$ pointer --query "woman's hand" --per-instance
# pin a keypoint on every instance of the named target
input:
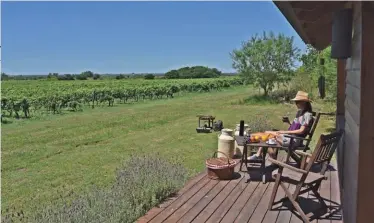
(271, 132)
(279, 132)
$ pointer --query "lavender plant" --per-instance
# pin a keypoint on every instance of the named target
(140, 184)
(259, 123)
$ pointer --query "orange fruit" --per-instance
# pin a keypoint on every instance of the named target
(257, 138)
(264, 138)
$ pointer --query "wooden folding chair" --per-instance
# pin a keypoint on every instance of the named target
(302, 177)
(291, 148)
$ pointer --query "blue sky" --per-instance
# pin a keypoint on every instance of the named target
(127, 37)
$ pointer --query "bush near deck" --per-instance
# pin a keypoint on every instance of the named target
(140, 184)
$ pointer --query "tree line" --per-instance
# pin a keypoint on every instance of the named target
(182, 73)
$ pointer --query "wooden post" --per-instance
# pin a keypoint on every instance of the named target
(365, 179)
(340, 109)
(340, 118)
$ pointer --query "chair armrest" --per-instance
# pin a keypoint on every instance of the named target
(328, 113)
(295, 137)
(303, 153)
(281, 164)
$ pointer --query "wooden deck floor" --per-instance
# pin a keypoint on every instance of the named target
(239, 200)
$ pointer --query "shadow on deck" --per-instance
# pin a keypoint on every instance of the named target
(242, 200)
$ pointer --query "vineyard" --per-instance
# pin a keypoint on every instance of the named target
(18, 98)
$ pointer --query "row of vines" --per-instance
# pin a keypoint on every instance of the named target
(18, 101)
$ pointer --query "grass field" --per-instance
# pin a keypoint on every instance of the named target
(43, 158)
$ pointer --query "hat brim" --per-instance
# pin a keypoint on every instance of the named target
(301, 99)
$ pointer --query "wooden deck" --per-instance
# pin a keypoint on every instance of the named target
(240, 200)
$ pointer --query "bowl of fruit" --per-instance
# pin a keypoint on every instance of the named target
(254, 138)
(260, 137)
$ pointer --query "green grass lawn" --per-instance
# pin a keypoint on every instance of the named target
(43, 158)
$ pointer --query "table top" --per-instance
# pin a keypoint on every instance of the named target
(241, 140)
(264, 144)
(206, 117)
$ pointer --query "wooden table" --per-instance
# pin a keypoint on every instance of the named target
(264, 146)
(208, 118)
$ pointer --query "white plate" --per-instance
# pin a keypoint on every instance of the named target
(267, 142)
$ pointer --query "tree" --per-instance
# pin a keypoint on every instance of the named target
(193, 72)
(266, 60)
(4, 76)
(310, 59)
(65, 77)
(311, 65)
(173, 74)
(87, 73)
(149, 76)
(121, 76)
(96, 76)
(81, 76)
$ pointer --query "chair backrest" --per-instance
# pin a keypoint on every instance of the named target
(325, 149)
(314, 123)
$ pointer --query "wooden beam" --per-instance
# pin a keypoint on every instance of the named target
(340, 110)
(323, 11)
(365, 180)
(305, 5)
(319, 35)
(286, 9)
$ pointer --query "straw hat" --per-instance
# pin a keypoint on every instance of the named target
(301, 96)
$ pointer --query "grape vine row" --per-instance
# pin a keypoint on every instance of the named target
(53, 97)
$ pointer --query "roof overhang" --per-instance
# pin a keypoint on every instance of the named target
(312, 20)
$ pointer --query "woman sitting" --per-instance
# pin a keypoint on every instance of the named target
(299, 127)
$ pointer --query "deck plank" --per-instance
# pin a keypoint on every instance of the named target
(240, 202)
(295, 218)
(204, 215)
(191, 202)
(325, 191)
(249, 208)
(285, 215)
(335, 196)
(193, 212)
(225, 206)
(272, 215)
(156, 210)
(261, 209)
(180, 201)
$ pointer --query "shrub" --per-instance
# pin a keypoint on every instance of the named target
(283, 95)
(96, 76)
(121, 76)
(140, 184)
(259, 123)
(149, 76)
(300, 82)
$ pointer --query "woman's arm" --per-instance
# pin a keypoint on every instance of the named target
(297, 132)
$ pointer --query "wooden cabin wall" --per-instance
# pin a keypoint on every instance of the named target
(352, 120)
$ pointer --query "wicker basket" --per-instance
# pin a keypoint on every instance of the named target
(220, 168)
